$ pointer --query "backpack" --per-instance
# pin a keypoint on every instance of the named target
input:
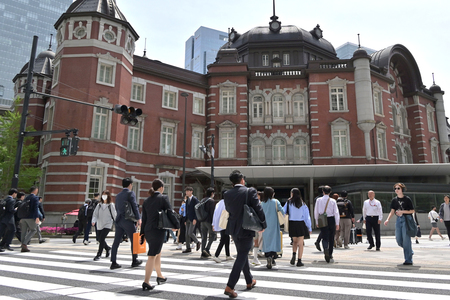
(2, 207)
(343, 208)
(23, 210)
(200, 210)
(81, 212)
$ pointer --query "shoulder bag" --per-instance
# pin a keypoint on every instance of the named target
(323, 218)
(280, 215)
(129, 213)
(167, 219)
(411, 226)
(250, 220)
(223, 221)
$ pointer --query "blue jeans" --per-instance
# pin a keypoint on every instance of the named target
(403, 240)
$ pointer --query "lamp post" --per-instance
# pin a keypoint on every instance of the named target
(185, 95)
(210, 153)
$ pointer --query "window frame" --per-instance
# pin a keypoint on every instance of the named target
(286, 59)
(175, 100)
(259, 105)
(378, 101)
(300, 101)
(299, 148)
(278, 148)
(265, 59)
(106, 63)
(137, 137)
(195, 145)
(430, 118)
(338, 83)
(258, 160)
(276, 107)
(381, 141)
(102, 132)
(230, 148)
(102, 177)
(195, 105)
(133, 93)
(230, 100)
(341, 125)
(56, 73)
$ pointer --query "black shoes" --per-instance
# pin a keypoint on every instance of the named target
(160, 280)
(146, 286)
(370, 247)
(74, 239)
(299, 263)
(327, 255)
(187, 251)
(97, 258)
(107, 252)
(136, 263)
(378, 249)
(199, 244)
(8, 248)
(407, 263)
(293, 259)
(42, 241)
(318, 246)
(115, 265)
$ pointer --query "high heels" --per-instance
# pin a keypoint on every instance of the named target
(160, 280)
(146, 286)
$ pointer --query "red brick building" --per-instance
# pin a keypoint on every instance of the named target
(277, 99)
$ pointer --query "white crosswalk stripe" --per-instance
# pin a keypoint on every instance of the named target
(73, 274)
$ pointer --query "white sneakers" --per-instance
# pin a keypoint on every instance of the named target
(430, 239)
(216, 259)
(346, 247)
(230, 258)
(179, 247)
(86, 242)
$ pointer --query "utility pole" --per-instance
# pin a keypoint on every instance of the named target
(23, 122)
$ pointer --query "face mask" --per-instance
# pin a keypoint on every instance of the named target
(104, 197)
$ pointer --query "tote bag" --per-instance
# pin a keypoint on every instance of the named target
(280, 215)
(250, 220)
(223, 221)
(138, 248)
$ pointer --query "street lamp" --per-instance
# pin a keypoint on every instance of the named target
(185, 95)
(210, 154)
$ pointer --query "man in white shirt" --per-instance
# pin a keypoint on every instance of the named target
(329, 205)
(373, 215)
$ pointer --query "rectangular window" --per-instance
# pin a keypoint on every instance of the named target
(106, 74)
(381, 140)
(199, 106)
(378, 102)
(286, 59)
(340, 143)
(278, 107)
(258, 152)
(134, 137)
(227, 101)
(299, 109)
(55, 75)
(227, 145)
(337, 99)
(170, 100)
(167, 135)
(95, 181)
(434, 154)
(137, 93)
(100, 122)
(168, 187)
(197, 141)
(265, 60)
(257, 107)
(430, 115)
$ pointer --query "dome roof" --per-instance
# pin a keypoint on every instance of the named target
(360, 52)
(43, 64)
(435, 88)
(105, 7)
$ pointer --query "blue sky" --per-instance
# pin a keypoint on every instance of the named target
(420, 26)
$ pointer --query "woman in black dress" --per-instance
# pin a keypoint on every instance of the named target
(154, 236)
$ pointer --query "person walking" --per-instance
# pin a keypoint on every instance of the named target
(235, 199)
(182, 231)
(224, 237)
(153, 235)
(7, 224)
(271, 236)
(41, 219)
(299, 223)
(103, 219)
(319, 236)
(123, 225)
(403, 208)
(434, 218)
(444, 213)
(191, 220)
(28, 224)
(346, 218)
(82, 221)
(206, 225)
(372, 216)
(327, 205)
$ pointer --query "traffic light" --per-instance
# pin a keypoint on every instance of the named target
(74, 145)
(129, 114)
(64, 150)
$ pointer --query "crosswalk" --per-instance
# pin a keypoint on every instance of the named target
(71, 273)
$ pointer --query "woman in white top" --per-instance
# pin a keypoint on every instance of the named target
(104, 215)
(434, 218)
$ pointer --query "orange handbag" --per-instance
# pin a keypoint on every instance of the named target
(137, 247)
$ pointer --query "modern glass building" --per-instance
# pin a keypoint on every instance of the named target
(346, 50)
(20, 20)
(201, 48)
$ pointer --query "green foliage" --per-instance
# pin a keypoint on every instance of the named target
(9, 134)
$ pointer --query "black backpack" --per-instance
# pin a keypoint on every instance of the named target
(2, 207)
(23, 210)
(200, 210)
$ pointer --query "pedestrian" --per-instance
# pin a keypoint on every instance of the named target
(337, 234)
(206, 225)
(319, 237)
(434, 218)
(299, 223)
(88, 221)
(372, 216)
(20, 197)
(224, 237)
(82, 221)
(7, 224)
(271, 236)
(124, 225)
(154, 235)
(346, 218)
(28, 224)
(103, 219)
(403, 208)
(327, 205)
(235, 199)
(182, 231)
(41, 219)
(257, 245)
(444, 213)
(191, 220)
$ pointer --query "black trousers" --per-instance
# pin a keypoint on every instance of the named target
(372, 223)
(224, 241)
(123, 226)
(328, 233)
(101, 235)
(447, 225)
(243, 246)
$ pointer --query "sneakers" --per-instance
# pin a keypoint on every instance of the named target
(216, 259)
(269, 263)
(230, 258)
(430, 239)
(256, 261)
(443, 237)
(178, 247)
(346, 247)
(86, 242)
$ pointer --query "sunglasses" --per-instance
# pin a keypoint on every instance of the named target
(397, 188)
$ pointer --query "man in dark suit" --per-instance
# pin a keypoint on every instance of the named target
(234, 203)
(28, 224)
(123, 225)
(191, 219)
(7, 223)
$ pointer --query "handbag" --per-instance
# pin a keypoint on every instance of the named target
(411, 226)
(279, 214)
(250, 220)
(138, 248)
(419, 233)
(129, 213)
(306, 231)
(323, 218)
(167, 220)
(223, 220)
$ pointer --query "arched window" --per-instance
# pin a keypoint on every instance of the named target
(278, 106)
(300, 150)
(279, 150)
(258, 151)
(258, 108)
(399, 154)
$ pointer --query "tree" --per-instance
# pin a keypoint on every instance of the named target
(9, 134)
